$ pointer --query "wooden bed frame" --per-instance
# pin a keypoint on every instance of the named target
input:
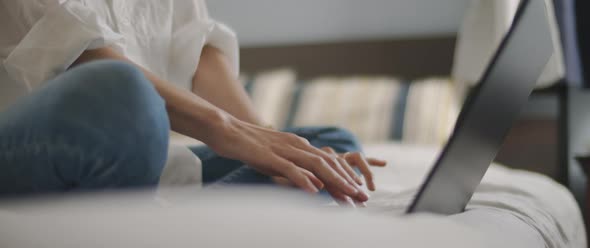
(405, 58)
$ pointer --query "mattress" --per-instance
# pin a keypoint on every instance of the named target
(509, 204)
(510, 209)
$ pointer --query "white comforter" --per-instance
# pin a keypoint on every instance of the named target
(510, 209)
(509, 204)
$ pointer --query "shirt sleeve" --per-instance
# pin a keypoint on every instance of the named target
(224, 38)
(56, 40)
(221, 36)
(193, 29)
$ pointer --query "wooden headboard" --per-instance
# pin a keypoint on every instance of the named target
(405, 58)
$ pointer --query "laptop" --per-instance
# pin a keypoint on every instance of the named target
(489, 112)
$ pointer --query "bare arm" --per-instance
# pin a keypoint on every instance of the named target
(215, 82)
(271, 152)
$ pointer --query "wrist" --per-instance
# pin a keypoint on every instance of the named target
(216, 119)
(215, 125)
(195, 118)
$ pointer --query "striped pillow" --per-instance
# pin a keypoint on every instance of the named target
(272, 95)
(365, 106)
(376, 109)
(432, 108)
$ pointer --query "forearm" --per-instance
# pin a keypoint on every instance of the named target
(189, 114)
(215, 82)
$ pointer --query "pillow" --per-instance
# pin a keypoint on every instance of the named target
(375, 109)
(432, 109)
(272, 95)
(365, 106)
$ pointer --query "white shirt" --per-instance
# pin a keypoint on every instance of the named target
(40, 39)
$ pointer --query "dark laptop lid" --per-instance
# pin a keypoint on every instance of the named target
(489, 112)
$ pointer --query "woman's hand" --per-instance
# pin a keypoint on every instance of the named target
(357, 159)
(351, 159)
(286, 155)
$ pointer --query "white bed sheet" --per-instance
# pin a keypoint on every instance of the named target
(509, 204)
(510, 209)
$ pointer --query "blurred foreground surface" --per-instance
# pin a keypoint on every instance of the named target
(216, 218)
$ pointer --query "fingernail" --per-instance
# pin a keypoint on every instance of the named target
(313, 190)
(351, 189)
(321, 186)
(364, 196)
(350, 202)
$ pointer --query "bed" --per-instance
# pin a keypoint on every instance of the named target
(527, 208)
(510, 209)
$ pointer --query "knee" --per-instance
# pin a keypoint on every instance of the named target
(114, 82)
(112, 95)
(136, 114)
(109, 89)
(114, 106)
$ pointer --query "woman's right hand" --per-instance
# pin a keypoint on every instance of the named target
(287, 155)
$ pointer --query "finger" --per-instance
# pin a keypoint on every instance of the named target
(332, 161)
(360, 204)
(345, 165)
(358, 159)
(316, 181)
(320, 168)
(342, 199)
(377, 162)
(350, 171)
(283, 181)
(372, 161)
(339, 167)
(294, 174)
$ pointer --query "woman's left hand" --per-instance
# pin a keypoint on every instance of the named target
(350, 160)
(357, 159)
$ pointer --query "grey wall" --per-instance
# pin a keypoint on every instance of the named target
(280, 22)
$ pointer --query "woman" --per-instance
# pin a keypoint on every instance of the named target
(70, 122)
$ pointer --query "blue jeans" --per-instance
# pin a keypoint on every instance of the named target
(98, 126)
(102, 126)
